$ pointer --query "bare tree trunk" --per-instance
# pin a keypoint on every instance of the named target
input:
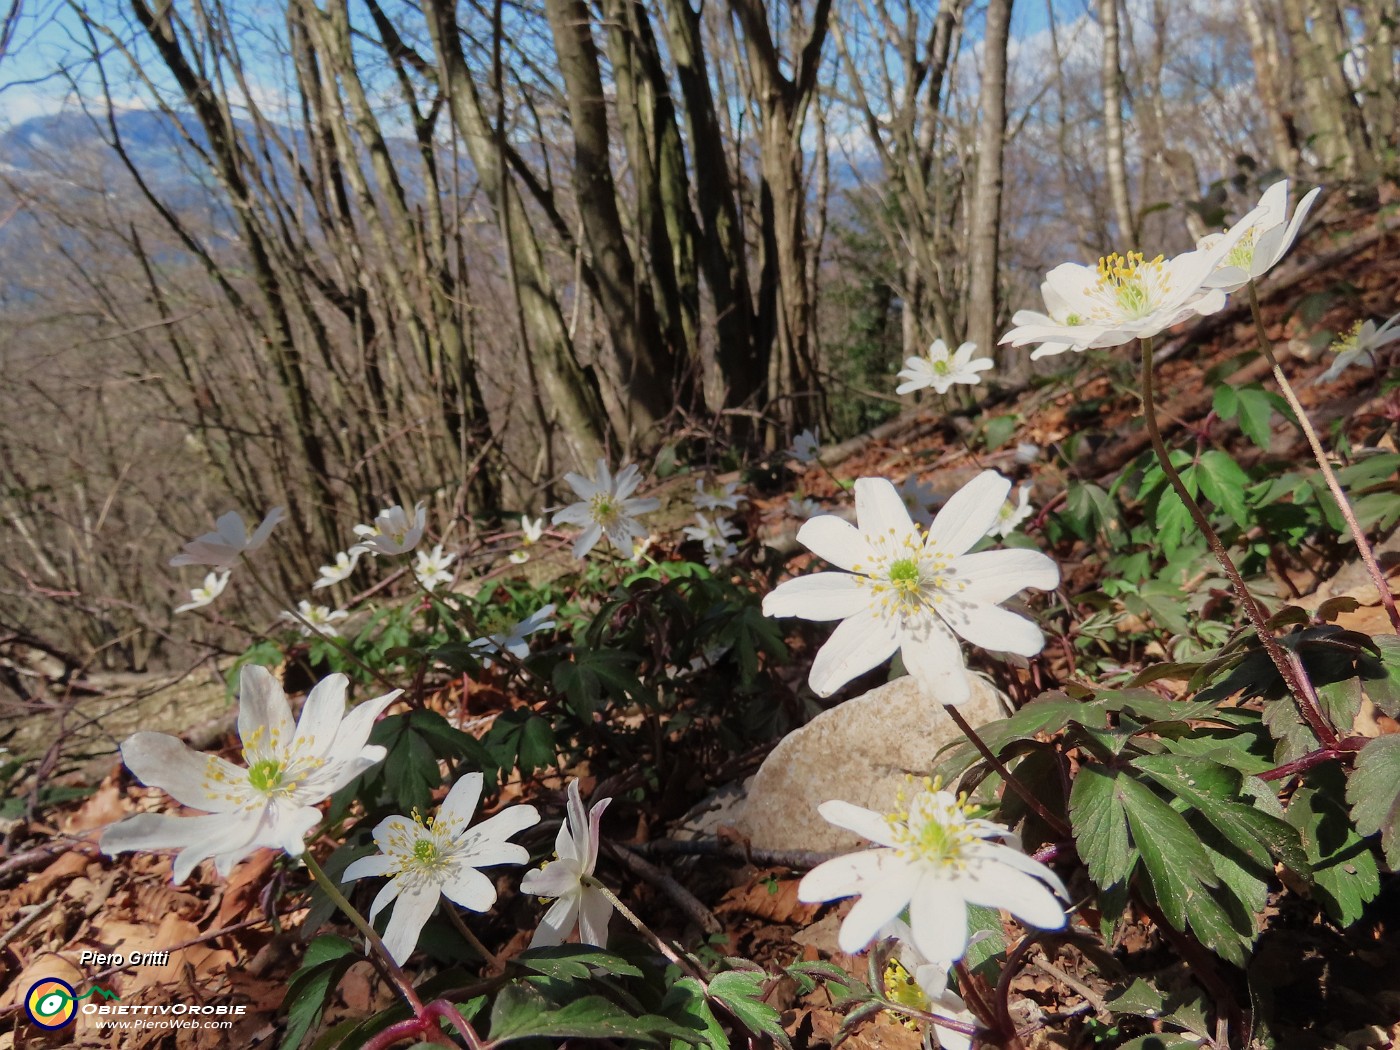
(1263, 46)
(571, 392)
(648, 361)
(984, 222)
(1115, 161)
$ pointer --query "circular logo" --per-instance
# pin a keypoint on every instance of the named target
(50, 1003)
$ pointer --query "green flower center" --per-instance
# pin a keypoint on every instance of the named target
(1242, 254)
(425, 851)
(904, 574)
(1125, 276)
(266, 776)
(942, 367)
(935, 829)
(1074, 320)
(603, 510)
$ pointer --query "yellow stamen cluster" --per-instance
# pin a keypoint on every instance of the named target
(935, 828)
(1349, 340)
(1126, 277)
(901, 988)
(908, 580)
(602, 509)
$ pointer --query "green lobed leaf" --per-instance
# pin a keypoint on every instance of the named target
(1256, 409)
(1099, 821)
(1214, 790)
(741, 993)
(685, 1003)
(574, 962)
(1374, 794)
(523, 1012)
(1344, 871)
(1381, 679)
(312, 985)
(1223, 482)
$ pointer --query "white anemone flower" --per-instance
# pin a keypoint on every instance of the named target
(271, 803)
(339, 571)
(935, 858)
(1360, 344)
(214, 584)
(439, 857)
(1011, 514)
(393, 531)
(724, 497)
(803, 508)
(806, 446)
(1264, 236)
(433, 567)
(518, 557)
(229, 541)
(911, 980)
(1120, 299)
(531, 531)
(712, 532)
(577, 903)
(514, 640)
(604, 508)
(315, 619)
(940, 368)
(910, 591)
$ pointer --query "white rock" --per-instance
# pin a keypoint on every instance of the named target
(859, 751)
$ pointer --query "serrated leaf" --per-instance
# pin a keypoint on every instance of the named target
(1225, 402)
(1100, 827)
(685, 1003)
(1179, 869)
(1382, 680)
(1223, 482)
(522, 1012)
(1341, 702)
(741, 993)
(574, 962)
(326, 960)
(1214, 791)
(1256, 408)
(1374, 794)
(1344, 871)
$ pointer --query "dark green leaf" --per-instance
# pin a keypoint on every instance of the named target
(1374, 794)
(523, 1012)
(1100, 827)
(685, 1003)
(1344, 870)
(741, 993)
(1223, 482)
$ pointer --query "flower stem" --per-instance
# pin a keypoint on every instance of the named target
(1027, 795)
(337, 642)
(471, 938)
(1343, 504)
(646, 931)
(395, 972)
(1289, 665)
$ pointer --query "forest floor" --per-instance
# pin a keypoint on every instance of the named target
(60, 897)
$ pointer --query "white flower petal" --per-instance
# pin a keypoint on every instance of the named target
(322, 715)
(864, 822)
(939, 922)
(835, 540)
(995, 575)
(471, 889)
(368, 867)
(1026, 897)
(262, 706)
(167, 762)
(558, 920)
(873, 910)
(968, 514)
(412, 910)
(880, 511)
(994, 628)
(859, 643)
(461, 801)
(594, 912)
(820, 596)
(935, 661)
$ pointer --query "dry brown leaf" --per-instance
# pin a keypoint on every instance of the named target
(1368, 619)
(243, 888)
(768, 898)
(107, 805)
(40, 887)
